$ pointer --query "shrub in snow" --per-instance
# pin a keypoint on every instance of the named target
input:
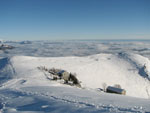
(117, 86)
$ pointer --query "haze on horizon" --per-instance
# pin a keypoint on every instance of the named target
(74, 19)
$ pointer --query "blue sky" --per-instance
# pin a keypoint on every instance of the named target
(74, 19)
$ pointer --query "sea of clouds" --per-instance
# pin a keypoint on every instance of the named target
(74, 48)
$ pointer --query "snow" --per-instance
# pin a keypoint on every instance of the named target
(25, 89)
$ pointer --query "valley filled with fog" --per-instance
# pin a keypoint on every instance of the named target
(75, 48)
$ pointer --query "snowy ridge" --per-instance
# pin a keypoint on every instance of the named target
(139, 62)
(25, 84)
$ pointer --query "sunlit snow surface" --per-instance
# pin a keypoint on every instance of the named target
(24, 88)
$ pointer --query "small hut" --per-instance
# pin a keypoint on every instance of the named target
(116, 90)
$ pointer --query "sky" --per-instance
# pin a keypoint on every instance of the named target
(74, 19)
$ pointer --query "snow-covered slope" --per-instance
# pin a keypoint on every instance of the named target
(24, 88)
